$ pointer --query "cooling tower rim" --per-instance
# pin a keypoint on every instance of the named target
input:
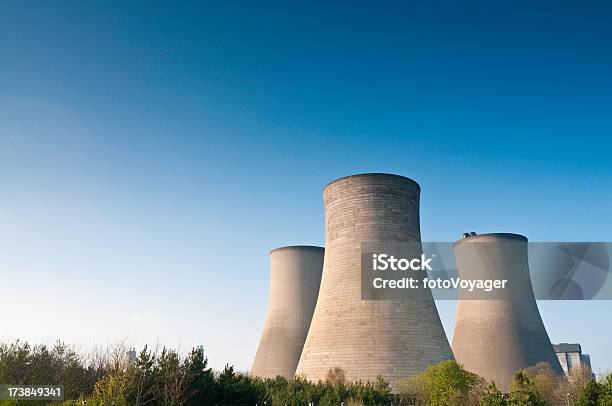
(298, 247)
(493, 236)
(373, 174)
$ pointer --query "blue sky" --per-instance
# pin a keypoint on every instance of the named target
(152, 154)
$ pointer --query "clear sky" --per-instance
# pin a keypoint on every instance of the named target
(151, 154)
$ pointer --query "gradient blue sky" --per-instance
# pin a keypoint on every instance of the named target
(151, 154)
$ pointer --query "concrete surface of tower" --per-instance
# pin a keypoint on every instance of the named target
(499, 333)
(295, 277)
(367, 338)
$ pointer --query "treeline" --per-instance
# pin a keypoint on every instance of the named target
(117, 377)
(447, 383)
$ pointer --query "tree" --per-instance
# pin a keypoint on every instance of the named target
(545, 381)
(590, 394)
(333, 394)
(292, 392)
(370, 393)
(605, 394)
(111, 390)
(25, 364)
(170, 378)
(568, 390)
(238, 389)
(523, 392)
(335, 375)
(442, 384)
(199, 380)
(492, 397)
(143, 378)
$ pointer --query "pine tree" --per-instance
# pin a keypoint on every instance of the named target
(589, 395)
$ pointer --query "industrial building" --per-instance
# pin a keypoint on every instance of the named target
(367, 338)
(500, 332)
(319, 318)
(572, 360)
(295, 277)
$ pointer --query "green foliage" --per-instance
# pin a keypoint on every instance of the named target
(159, 379)
(167, 378)
(376, 393)
(238, 389)
(170, 377)
(590, 394)
(442, 384)
(294, 392)
(111, 390)
(23, 364)
(605, 393)
(492, 397)
(546, 382)
(143, 378)
(199, 388)
(524, 392)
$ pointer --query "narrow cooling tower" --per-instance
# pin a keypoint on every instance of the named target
(367, 338)
(503, 332)
(295, 276)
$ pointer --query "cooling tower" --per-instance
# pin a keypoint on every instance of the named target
(295, 276)
(502, 333)
(367, 338)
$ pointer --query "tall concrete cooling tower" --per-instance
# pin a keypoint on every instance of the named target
(295, 276)
(367, 338)
(501, 332)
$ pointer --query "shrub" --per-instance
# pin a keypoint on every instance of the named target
(605, 394)
(491, 396)
(523, 392)
(442, 384)
(590, 394)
